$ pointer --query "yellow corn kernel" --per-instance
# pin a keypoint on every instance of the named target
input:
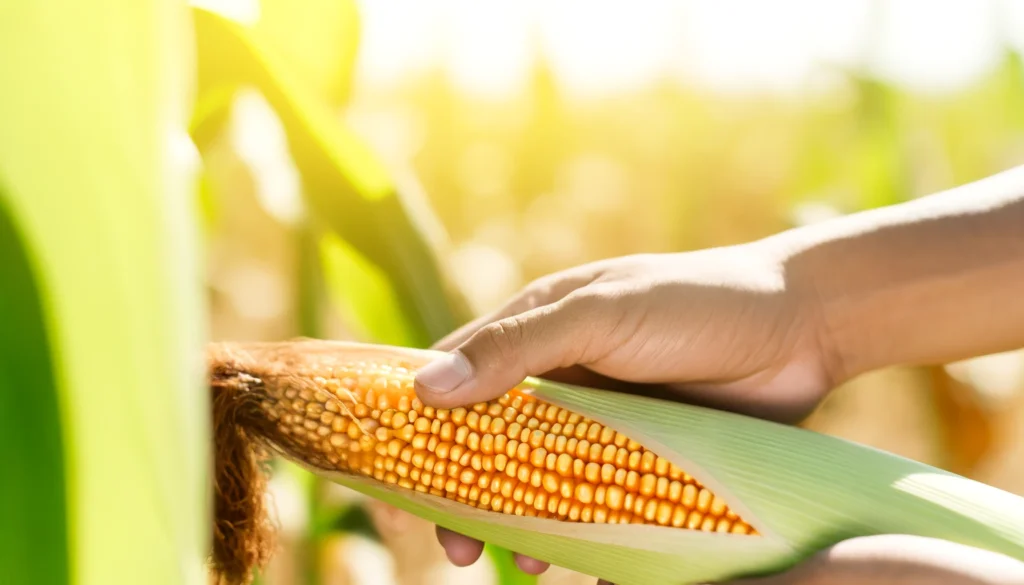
(514, 455)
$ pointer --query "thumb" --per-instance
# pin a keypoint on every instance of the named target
(501, 354)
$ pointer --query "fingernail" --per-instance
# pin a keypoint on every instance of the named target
(446, 373)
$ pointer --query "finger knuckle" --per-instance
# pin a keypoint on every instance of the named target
(504, 338)
(589, 302)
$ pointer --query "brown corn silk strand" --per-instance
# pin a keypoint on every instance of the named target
(242, 531)
(359, 414)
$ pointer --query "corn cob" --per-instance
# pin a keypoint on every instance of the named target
(594, 481)
(514, 455)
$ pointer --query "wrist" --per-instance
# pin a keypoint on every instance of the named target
(840, 343)
(934, 280)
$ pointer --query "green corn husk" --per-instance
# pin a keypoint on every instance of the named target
(801, 490)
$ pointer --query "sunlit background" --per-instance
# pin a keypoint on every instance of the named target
(543, 134)
(600, 48)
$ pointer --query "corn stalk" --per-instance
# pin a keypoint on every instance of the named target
(102, 407)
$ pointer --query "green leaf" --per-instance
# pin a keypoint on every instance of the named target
(33, 534)
(92, 158)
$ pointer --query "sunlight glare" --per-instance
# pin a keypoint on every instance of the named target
(610, 45)
(489, 46)
(399, 38)
(936, 46)
(740, 45)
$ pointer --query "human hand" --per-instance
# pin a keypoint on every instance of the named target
(729, 328)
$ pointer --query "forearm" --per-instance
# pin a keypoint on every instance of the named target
(934, 280)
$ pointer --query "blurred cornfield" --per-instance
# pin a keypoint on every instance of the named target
(335, 203)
